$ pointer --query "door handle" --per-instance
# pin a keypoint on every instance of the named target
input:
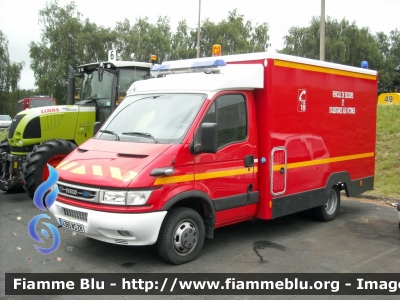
(249, 161)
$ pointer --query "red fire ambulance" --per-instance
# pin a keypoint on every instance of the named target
(35, 101)
(215, 141)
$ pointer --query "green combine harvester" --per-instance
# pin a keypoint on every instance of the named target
(46, 135)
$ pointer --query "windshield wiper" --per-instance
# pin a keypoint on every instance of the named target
(143, 134)
(111, 132)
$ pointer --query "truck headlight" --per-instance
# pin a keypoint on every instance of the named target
(124, 198)
(137, 197)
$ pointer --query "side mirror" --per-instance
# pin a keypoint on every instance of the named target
(96, 127)
(101, 71)
(208, 139)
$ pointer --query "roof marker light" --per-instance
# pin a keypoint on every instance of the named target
(207, 66)
(216, 50)
(364, 64)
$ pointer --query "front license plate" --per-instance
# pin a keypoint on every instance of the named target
(72, 226)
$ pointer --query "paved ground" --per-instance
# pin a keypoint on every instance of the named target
(364, 238)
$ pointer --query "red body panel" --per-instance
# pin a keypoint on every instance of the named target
(316, 133)
(295, 114)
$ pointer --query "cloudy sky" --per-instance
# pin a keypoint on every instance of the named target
(19, 18)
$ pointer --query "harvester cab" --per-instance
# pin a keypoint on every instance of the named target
(46, 135)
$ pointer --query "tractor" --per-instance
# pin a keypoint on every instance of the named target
(46, 135)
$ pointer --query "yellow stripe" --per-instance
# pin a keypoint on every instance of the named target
(174, 179)
(79, 170)
(202, 176)
(323, 161)
(130, 176)
(61, 164)
(293, 65)
(70, 165)
(97, 170)
(116, 173)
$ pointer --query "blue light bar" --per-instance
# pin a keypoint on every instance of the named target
(188, 66)
(209, 63)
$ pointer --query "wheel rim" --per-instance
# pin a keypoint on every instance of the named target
(331, 205)
(54, 161)
(185, 237)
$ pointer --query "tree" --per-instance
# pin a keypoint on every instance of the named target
(184, 42)
(10, 75)
(345, 44)
(394, 60)
(143, 39)
(234, 34)
(66, 40)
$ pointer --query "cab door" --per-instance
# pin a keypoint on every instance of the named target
(227, 176)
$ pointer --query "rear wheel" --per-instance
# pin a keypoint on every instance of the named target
(329, 211)
(35, 170)
(181, 236)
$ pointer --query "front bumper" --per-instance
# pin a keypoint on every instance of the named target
(143, 228)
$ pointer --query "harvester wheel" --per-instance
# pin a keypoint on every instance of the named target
(35, 170)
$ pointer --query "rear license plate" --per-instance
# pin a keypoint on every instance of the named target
(72, 225)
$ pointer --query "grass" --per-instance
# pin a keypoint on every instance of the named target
(3, 134)
(387, 160)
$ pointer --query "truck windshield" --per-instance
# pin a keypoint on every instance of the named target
(128, 76)
(92, 89)
(154, 118)
(40, 103)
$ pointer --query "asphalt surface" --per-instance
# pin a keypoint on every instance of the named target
(364, 238)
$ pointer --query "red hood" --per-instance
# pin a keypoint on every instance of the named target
(108, 163)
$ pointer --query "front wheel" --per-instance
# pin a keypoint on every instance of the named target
(181, 236)
(35, 171)
(329, 211)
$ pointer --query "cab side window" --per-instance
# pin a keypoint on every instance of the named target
(229, 112)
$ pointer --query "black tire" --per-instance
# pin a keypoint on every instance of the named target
(37, 160)
(329, 211)
(186, 227)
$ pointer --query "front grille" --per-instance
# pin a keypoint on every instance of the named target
(75, 214)
(22, 149)
(77, 192)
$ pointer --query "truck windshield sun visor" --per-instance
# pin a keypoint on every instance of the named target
(165, 119)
